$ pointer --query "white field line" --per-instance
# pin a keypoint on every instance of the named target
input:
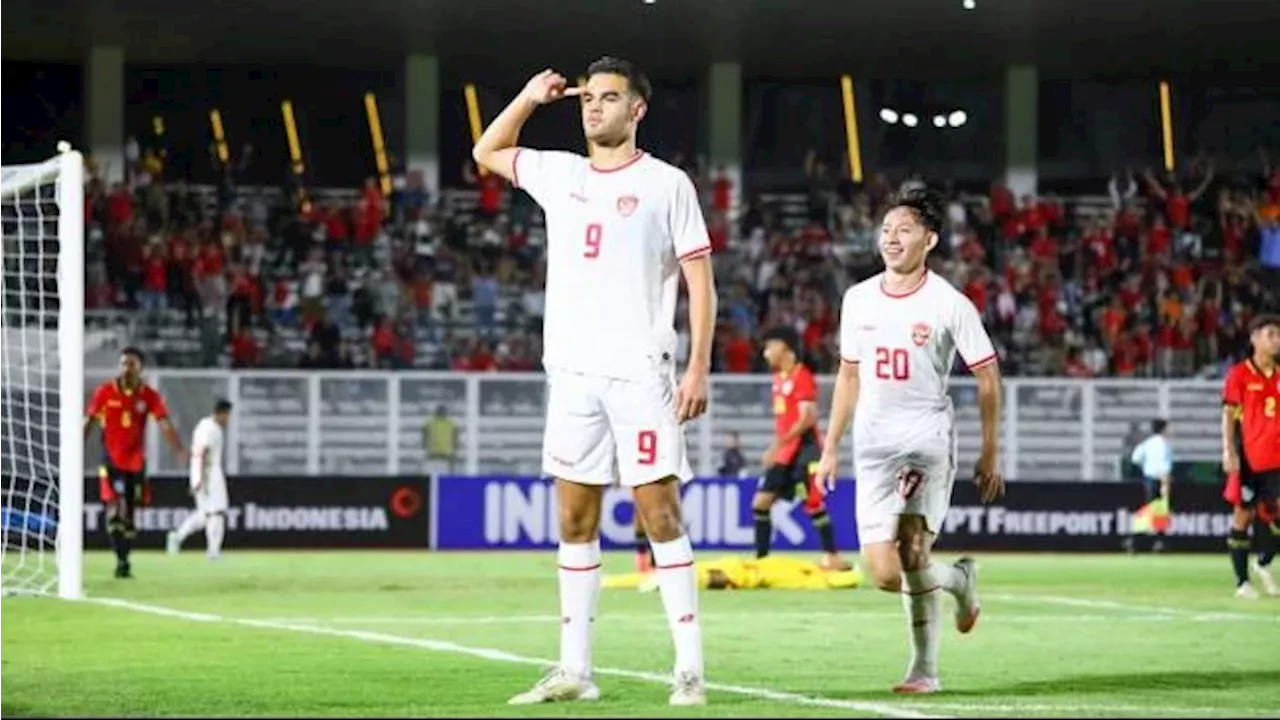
(852, 615)
(1074, 710)
(1126, 607)
(882, 709)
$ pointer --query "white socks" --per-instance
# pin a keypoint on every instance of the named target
(922, 599)
(194, 522)
(946, 577)
(215, 529)
(678, 582)
(579, 593)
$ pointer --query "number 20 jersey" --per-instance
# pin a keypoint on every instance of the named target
(904, 345)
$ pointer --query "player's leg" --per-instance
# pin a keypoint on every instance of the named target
(215, 508)
(815, 507)
(576, 445)
(113, 504)
(776, 481)
(193, 523)
(653, 461)
(1238, 550)
(644, 552)
(1267, 530)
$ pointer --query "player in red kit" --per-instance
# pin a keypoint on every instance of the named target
(121, 407)
(791, 459)
(1251, 453)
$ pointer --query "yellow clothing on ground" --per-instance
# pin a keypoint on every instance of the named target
(782, 573)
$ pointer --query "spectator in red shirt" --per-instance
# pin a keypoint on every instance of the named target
(154, 279)
(383, 344)
(482, 359)
(244, 349)
(1177, 204)
(739, 353)
(1001, 200)
(1044, 249)
(1076, 366)
(722, 191)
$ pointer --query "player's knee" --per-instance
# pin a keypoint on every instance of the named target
(578, 525)
(762, 502)
(662, 521)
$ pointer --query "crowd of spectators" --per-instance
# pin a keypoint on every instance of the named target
(1159, 282)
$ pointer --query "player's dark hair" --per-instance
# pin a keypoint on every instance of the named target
(1158, 425)
(636, 80)
(135, 352)
(1262, 321)
(924, 203)
(787, 336)
(222, 406)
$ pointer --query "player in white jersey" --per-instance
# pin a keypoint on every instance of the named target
(208, 484)
(622, 227)
(899, 335)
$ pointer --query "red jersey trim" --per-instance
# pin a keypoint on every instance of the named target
(906, 293)
(515, 168)
(695, 254)
(988, 360)
(634, 159)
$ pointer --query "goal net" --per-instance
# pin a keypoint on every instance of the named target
(42, 376)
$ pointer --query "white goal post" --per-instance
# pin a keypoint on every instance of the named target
(42, 382)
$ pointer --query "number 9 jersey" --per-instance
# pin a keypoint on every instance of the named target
(904, 345)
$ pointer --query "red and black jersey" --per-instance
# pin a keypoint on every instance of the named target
(1256, 397)
(123, 414)
(789, 391)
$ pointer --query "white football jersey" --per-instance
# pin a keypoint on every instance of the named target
(615, 241)
(206, 450)
(905, 346)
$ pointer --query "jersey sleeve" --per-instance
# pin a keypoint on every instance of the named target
(849, 350)
(98, 402)
(805, 389)
(1233, 388)
(971, 337)
(546, 175)
(156, 406)
(687, 226)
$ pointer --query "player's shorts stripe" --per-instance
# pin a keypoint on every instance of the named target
(845, 359)
(704, 250)
(983, 362)
(515, 168)
(583, 568)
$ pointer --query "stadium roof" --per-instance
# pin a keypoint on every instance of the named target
(785, 38)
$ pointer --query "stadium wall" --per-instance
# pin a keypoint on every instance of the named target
(514, 512)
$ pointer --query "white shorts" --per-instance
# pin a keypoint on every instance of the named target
(917, 482)
(212, 498)
(602, 431)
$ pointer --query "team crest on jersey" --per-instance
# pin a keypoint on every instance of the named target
(627, 205)
(920, 333)
(786, 387)
(140, 407)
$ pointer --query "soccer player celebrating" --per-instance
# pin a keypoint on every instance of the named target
(899, 334)
(792, 458)
(121, 407)
(208, 484)
(622, 227)
(1251, 420)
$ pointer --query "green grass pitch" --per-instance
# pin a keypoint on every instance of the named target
(373, 634)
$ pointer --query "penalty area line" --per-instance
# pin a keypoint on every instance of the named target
(495, 655)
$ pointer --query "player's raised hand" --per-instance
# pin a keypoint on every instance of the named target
(548, 86)
(691, 398)
(987, 476)
(824, 479)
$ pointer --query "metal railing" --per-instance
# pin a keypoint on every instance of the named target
(370, 423)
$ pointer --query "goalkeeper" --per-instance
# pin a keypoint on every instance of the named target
(772, 572)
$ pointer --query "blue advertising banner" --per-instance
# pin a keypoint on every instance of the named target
(519, 513)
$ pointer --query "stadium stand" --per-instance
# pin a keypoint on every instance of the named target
(1157, 278)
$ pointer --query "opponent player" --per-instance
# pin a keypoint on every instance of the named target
(797, 444)
(1251, 421)
(899, 333)
(121, 407)
(208, 484)
(622, 227)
